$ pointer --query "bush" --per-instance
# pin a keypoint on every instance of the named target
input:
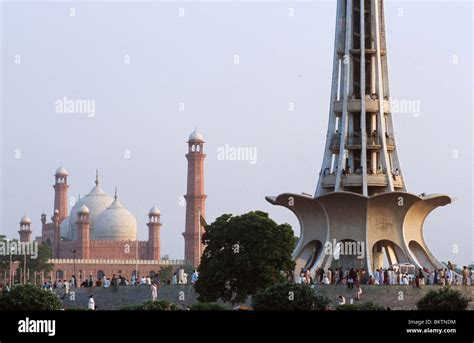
(368, 306)
(445, 299)
(289, 297)
(207, 307)
(159, 305)
(29, 298)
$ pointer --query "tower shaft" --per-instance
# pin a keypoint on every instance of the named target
(195, 201)
(60, 196)
(360, 155)
(154, 245)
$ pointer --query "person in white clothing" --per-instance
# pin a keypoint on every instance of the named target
(342, 300)
(358, 292)
(91, 304)
(154, 291)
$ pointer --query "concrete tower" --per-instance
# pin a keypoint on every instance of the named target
(195, 199)
(25, 229)
(60, 192)
(83, 232)
(361, 210)
(154, 227)
(360, 154)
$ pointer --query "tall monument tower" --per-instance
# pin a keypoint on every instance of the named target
(360, 154)
(195, 199)
(361, 213)
(60, 192)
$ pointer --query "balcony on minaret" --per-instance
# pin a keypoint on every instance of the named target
(355, 180)
(354, 105)
(356, 52)
(354, 142)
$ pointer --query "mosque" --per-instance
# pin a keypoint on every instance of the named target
(99, 235)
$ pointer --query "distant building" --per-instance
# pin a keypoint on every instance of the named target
(99, 235)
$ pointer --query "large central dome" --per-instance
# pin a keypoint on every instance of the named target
(117, 225)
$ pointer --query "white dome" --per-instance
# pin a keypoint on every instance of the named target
(25, 220)
(195, 137)
(61, 171)
(96, 201)
(83, 209)
(154, 211)
(115, 223)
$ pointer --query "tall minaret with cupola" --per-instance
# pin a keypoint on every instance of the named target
(154, 227)
(83, 232)
(60, 192)
(195, 199)
(25, 229)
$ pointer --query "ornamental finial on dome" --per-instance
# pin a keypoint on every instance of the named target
(97, 177)
(115, 195)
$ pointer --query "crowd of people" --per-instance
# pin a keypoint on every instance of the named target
(387, 276)
(180, 277)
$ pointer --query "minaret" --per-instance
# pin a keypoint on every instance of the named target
(360, 154)
(25, 229)
(60, 192)
(195, 199)
(56, 219)
(154, 227)
(83, 232)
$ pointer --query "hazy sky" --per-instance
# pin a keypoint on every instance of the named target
(187, 58)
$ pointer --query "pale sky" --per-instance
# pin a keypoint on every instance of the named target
(190, 59)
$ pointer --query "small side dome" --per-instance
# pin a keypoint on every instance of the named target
(196, 137)
(61, 172)
(154, 211)
(25, 220)
(83, 209)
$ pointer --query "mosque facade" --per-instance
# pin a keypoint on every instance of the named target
(98, 235)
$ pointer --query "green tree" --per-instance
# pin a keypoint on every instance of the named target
(289, 297)
(243, 255)
(444, 299)
(368, 306)
(165, 274)
(40, 263)
(29, 298)
(207, 307)
(159, 305)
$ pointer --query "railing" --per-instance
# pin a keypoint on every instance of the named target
(115, 261)
(355, 141)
